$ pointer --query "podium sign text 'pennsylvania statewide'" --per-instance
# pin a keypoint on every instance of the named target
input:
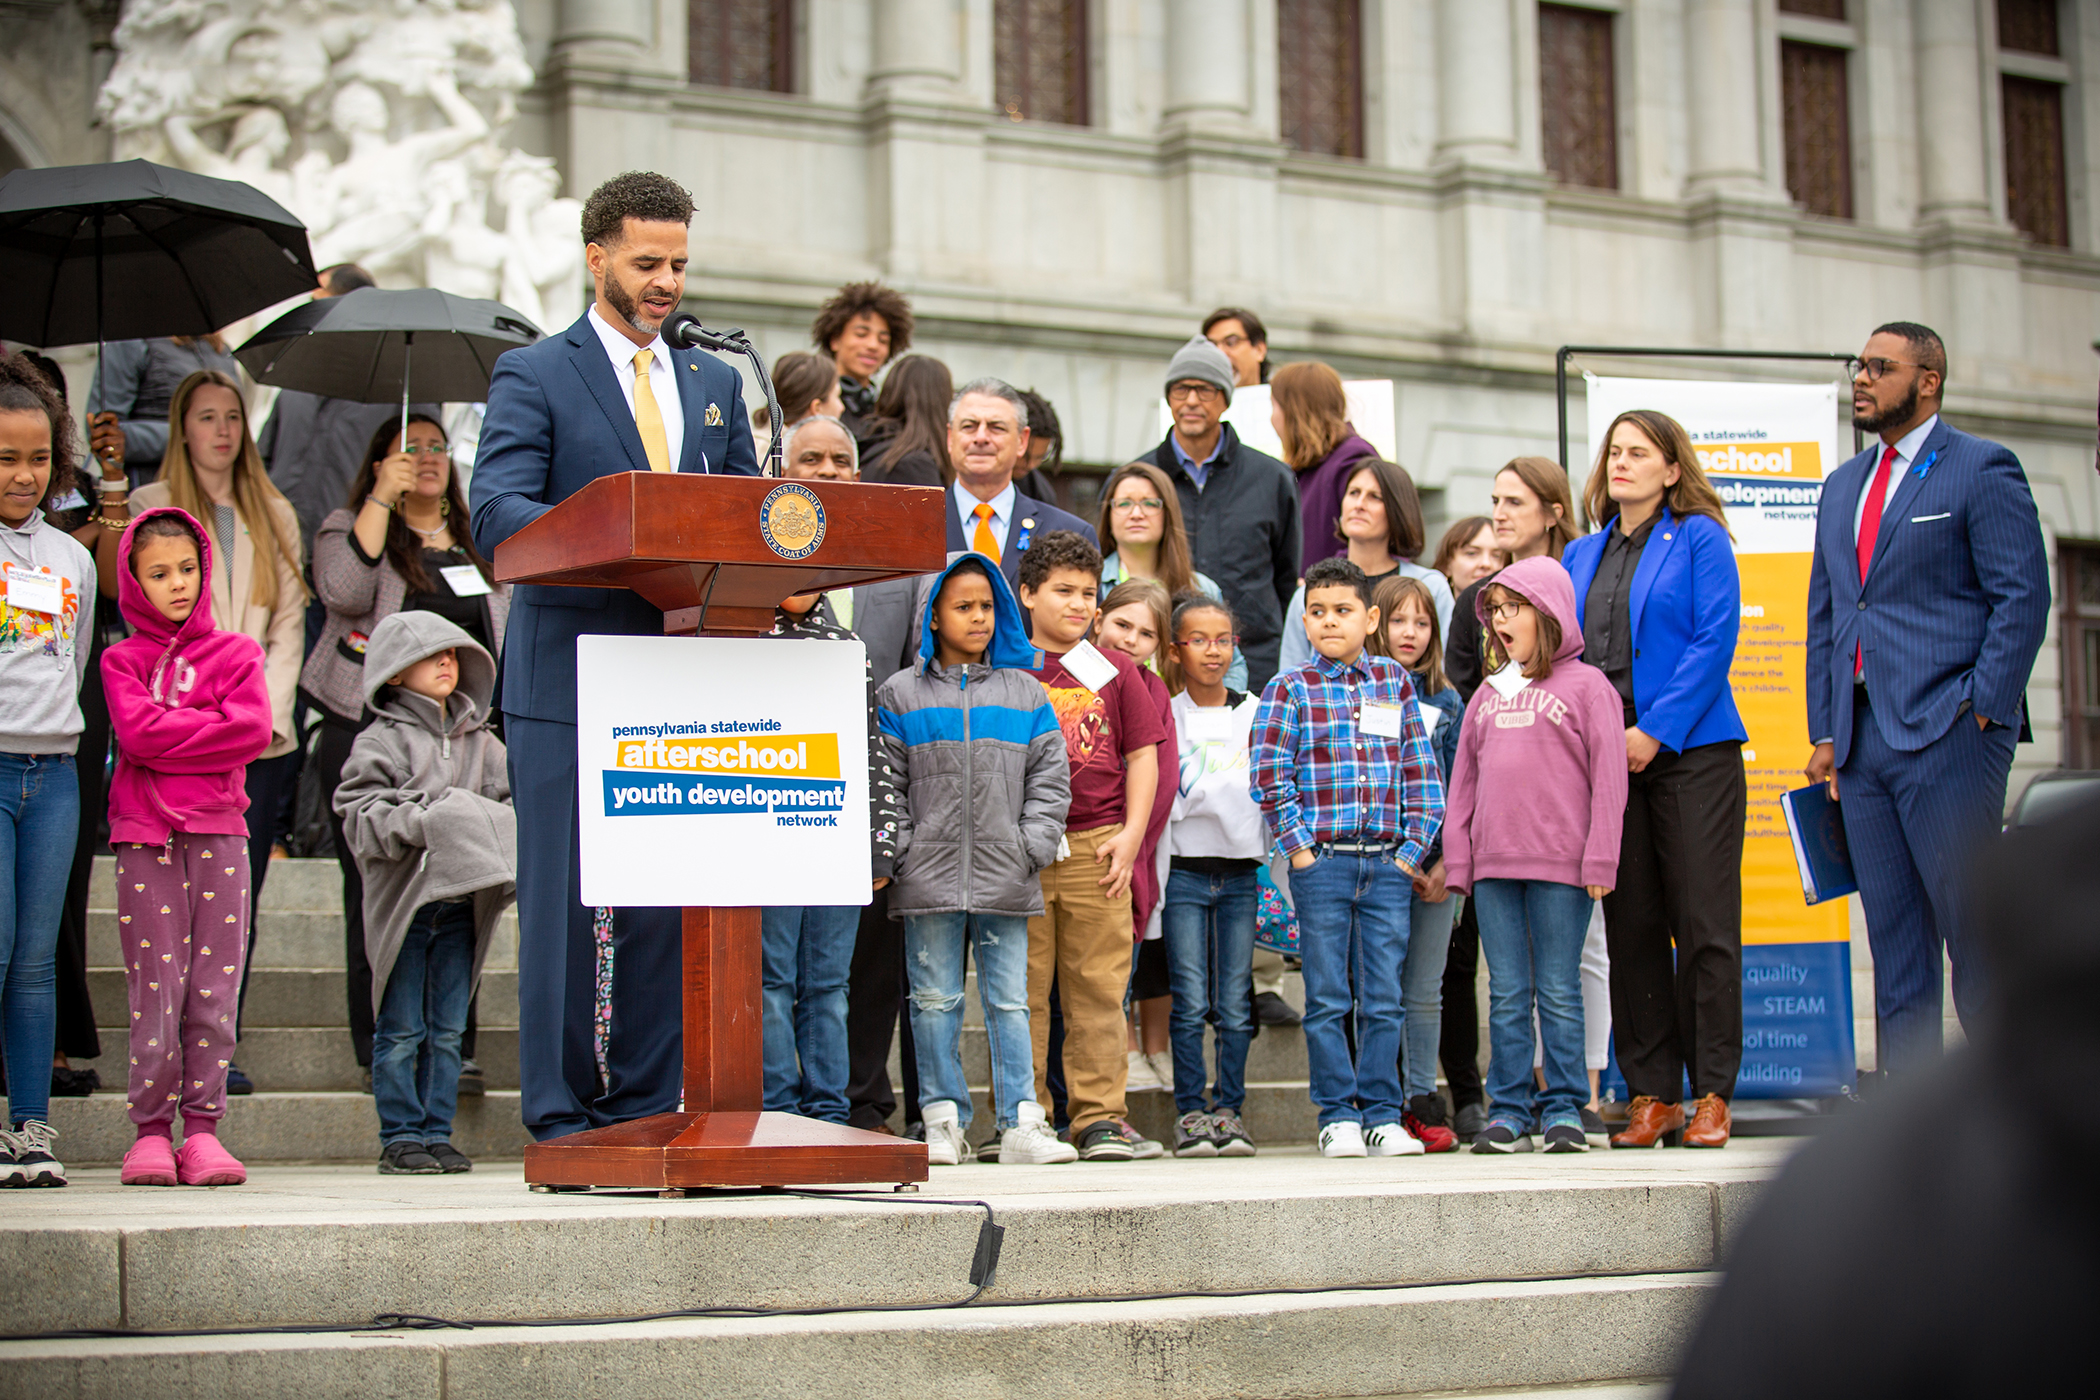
(722, 771)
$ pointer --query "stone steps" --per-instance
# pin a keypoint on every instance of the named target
(272, 1127)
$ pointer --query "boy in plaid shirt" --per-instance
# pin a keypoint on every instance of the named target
(1342, 768)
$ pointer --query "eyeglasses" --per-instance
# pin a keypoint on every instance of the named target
(1123, 505)
(1874, 366)
(1199, 393)
(1505, 612)
(1231, 342)
(1209, 643)
(418, 450)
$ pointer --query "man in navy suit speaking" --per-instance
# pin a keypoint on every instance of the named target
(1927, 600)
(607, 395)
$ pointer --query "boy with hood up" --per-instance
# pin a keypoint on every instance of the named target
(1538, 794)
(980, 758)
(190, 710)
(425, 803)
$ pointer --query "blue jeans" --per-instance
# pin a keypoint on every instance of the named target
(415, 1043)
(1208, 924)
(1422, 990)
(1531, 932)
(933, 958)
(39, 827)
(808, 953)
(1353, 919)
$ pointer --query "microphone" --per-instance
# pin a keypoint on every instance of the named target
(685, 331)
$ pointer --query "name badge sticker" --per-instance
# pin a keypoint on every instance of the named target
(465, 581)
(37, 591)
(1089, 667)
(1384, 721)
(1210, 726)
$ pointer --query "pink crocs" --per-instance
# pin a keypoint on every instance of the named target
(203, 1162)
(150, 1162)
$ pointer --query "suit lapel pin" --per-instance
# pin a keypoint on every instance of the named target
(714, 416)
(1028, 524)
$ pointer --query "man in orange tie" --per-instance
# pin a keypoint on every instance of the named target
(987, 514)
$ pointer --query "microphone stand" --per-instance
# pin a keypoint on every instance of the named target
(685, 329)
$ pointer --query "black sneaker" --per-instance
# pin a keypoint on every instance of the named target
(473, 1084)
(450, 1159)
(238, 1083)
(1272, 1010)
(1104, 1142)
(70, 1083)
(1194, 1135)
(364, 1076)
(1566, 1137)
(1500, 1136)
(1230, 1134)
(407, 1159)
(1594, 1126)
(989, 1151)
(35, 1164)
(1470, 1121)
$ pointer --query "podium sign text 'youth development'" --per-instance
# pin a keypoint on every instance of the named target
(1766, 448)
(722, 771)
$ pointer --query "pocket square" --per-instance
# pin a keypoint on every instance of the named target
(714, 416)
(1922, 519)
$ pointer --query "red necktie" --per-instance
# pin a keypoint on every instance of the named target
(1870, 531)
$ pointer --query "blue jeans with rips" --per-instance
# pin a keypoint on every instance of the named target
(1531, 932)
(808, 952)
(1353, 913)
(39, 826)
(422, 1014)
(933, 959)
(1208, 924)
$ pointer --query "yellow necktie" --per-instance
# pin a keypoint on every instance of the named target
(983, 543)
(648, 418)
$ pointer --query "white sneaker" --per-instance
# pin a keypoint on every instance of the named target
(1342, 1140)
(1141, 1074)
(1393, 1140)
(944, 1140)
(1162, 1063)
(1030, 1142)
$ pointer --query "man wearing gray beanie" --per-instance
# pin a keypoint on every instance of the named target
(1240, 506)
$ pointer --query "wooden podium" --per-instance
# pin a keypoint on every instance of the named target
(728, 547)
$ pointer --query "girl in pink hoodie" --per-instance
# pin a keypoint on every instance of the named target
(1531, 834)
(190, 710)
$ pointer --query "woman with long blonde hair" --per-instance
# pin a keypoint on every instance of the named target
(1673, 922)
(1310, 412)
(212, 470)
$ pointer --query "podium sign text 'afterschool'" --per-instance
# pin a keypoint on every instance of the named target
(722, 771)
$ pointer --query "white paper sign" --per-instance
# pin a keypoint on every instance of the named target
(722, 771)
(1431, 717)
(40, 591)
(465, 581)
(1509, 680)
(1089, 667)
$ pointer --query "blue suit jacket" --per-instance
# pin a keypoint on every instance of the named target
(1019, 533)
(1955, 600)
(1686, 606)
(557, 420)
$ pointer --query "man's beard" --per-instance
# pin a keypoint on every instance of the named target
(629, 309)
(1871, 422)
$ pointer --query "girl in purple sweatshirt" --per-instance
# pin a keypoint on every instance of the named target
(1531, 834)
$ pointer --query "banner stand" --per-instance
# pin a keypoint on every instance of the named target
(1799, 983)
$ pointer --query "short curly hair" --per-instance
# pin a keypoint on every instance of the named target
(25, 389)
(853, 299)
(637, 194)
(1058, 549)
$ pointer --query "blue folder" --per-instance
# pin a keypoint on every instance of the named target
(1817, 829)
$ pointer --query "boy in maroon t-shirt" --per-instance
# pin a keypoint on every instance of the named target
(1082, 939)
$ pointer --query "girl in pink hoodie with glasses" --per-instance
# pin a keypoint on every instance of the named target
(191, 710)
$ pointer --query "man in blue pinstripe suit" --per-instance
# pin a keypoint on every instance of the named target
(1927, 599)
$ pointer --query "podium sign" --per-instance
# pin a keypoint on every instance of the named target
(722, 771)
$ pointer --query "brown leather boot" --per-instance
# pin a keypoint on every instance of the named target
(1711, 1123)
(1651, 1123)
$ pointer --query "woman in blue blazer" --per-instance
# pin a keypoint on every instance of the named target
(1657, 590)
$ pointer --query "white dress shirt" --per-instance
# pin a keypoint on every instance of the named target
(1002, 514)
(1907, 448)
(663, 380)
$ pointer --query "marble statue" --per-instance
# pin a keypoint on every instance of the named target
(382, 124)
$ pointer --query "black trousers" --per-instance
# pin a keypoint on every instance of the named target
(875, 991)
(269, 781)
(1674, 924)
(1458, 1041)
(331, 752)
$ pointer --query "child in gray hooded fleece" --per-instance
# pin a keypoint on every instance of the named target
(425, 803)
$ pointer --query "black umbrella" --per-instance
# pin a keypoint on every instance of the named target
(132, 250)
(359, 346)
